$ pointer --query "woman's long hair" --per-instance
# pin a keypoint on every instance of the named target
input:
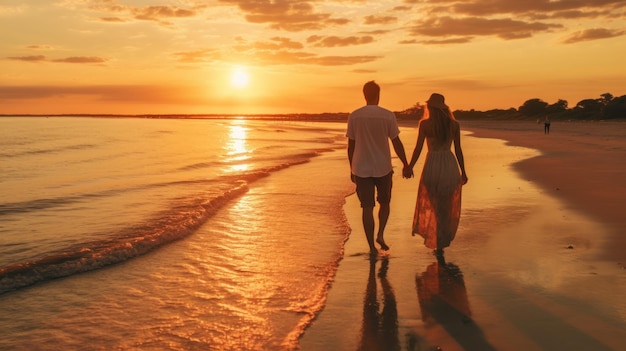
(442, 122)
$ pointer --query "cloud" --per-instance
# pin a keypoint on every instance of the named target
(402, 8)
(334, 41)
(159, 14)
(290, 16)
(373, 19)
(506, 19)
(306, 58)
(116, 93)
(341, 60)
(75, 59)
(39, 47)
(570, 14)
(80, 59)
(206, 55)
(284, 51)
(504, 28)
(33, 58)
(593, 34)
(496, 7)
(376, 32)
(277, 43)
(112, 19)
(458, 40)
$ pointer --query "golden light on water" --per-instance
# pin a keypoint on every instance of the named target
(237, 143)
(239, 168)
(237, 148)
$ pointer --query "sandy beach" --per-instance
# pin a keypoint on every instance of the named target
(581, 163)
(538, 262)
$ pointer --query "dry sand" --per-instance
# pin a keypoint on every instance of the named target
(537, 264)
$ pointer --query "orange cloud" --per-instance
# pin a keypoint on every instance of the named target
(373, 19)
(197, 56)
(290, 16)
(279, 43)
(289, 57)
(157, 13)
(525, 18)
(569, 14)
(458, 40)
(39, 47)
(75, 59)
(80, 59)
(333, 41)
(284, 51)
(504, 28)
(494, 7)
(118, 93)
(342, 60)
(593, 34)
(111, 19)
(376, 32)
(33, 58)
(402, 8)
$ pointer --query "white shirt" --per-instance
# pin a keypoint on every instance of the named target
(371, 127)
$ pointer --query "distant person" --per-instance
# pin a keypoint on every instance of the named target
(369, 130)
(438, 207)
(546, 126)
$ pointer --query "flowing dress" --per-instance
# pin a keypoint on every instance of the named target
(438, 207)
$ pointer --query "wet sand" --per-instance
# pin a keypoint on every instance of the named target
(582, 163)
(537, 264)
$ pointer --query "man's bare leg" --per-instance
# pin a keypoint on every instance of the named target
(383, 216)
(368, 226)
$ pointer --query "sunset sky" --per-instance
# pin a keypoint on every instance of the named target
(264, 56)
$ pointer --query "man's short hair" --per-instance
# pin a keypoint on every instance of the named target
(371, 91)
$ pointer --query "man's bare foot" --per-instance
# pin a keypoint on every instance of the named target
(383, 246)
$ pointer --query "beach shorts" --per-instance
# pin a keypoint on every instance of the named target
(367, 187)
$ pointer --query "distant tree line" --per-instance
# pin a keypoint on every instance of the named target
(605, 107)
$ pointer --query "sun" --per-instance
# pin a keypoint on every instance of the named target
(239, 78)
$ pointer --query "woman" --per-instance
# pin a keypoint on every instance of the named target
(438, 206)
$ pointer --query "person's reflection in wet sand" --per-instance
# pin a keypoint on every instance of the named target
(380, 328)
(443, 300)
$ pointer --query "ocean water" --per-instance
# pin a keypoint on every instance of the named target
(167, 234)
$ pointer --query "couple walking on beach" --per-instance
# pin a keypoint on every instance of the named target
(438, 207)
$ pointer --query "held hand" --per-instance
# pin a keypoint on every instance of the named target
(407, 172)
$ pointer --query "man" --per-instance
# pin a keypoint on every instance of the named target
(369, 130)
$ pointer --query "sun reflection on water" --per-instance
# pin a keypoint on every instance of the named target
(237, 147)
